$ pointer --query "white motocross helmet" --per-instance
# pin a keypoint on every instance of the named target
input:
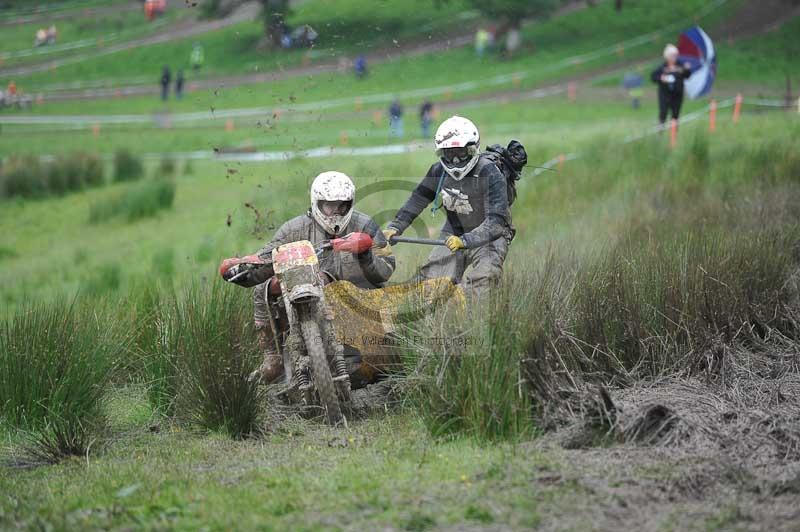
(457, 144)
(332, 198)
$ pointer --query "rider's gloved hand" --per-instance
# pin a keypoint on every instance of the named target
(385, 251)
(454, 243)
(389, 233)
(233, 271)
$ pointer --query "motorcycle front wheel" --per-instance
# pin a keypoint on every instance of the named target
(323, 381)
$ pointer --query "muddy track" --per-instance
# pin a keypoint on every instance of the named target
(755, 17)
(378, 57)
(48, 17)
(182, 30)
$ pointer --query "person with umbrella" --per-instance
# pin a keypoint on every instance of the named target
(669, 77)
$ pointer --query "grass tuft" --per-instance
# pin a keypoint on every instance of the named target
(197, 351)
(144, 200)
(56, 360)
(127, 166)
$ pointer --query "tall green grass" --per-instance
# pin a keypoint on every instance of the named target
(703, 256)
(197, 349)
(28, 177)
(127, 166)
(142, 200)
(56, 361)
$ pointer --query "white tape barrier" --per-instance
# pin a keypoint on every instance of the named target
(690, 117)
(502, 79)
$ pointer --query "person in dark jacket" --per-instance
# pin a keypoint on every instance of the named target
(179, 80)
(669, 77)
(166, 77)
(473, 191)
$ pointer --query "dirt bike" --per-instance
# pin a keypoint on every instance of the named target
(327, 317)
(313, 358)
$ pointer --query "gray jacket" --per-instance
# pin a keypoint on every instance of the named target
(476, 206)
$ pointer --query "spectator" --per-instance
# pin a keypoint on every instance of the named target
(669, 78)
(513, 41)
(481, 41)
(360, 66)
(179, 84)
(52, 34)
(396, 119)
(41, 37)
(166, 77)
(197, 56)
(633, 83)
(425, 118)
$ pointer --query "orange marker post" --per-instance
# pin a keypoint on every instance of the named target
(96, 130)
(572, 91)
(561, 160)
(737, 108)
(673, 133)
(344, 140)
(377, 116)
(712, 116)
(359, 104)
(229, 125)
(448, 94)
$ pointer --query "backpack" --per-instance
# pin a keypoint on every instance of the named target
(510, 161)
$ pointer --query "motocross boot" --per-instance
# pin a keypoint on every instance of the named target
(272, 367)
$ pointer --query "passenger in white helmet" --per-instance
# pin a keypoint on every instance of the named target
(473, 192)
(331, 214)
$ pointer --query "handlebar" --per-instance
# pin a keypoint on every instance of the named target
(412, 240)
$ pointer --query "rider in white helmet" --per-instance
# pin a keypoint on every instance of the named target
(331, 214)
(473, 193)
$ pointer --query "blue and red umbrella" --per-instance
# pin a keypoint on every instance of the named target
(696, 48)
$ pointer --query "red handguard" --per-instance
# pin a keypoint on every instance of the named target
(355, 243)
(227, 264)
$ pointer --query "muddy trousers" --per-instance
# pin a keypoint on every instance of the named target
(477, 269)
(272, 366)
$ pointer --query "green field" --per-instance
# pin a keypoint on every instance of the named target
(664, 277)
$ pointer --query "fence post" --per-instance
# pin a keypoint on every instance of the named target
(737, 108)
(712, 116)
(673, 133)
(572, 91)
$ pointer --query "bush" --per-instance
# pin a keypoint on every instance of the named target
(73, 172)
(144, 200)
(28, 177)
(166, 167)
(24, 176)
(127, 167)
(55, 362)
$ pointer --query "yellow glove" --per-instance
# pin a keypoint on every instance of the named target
(389, 233)
(385, 251)
(454, 243)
